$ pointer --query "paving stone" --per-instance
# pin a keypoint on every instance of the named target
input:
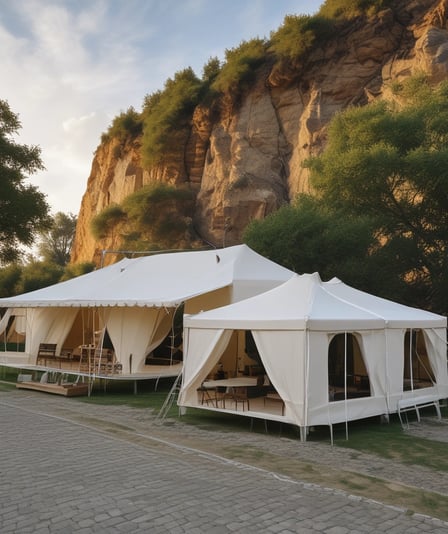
(59, 474)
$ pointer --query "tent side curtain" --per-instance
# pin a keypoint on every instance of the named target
(4, 321)
(436, 346)
(48, 325)
(203, 349)
(132, 332)
(283, 356)
(162, 328)
(371, 344)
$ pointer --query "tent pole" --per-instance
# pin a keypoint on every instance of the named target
(345, 385)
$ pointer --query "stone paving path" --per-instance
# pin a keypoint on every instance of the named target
(72, 467)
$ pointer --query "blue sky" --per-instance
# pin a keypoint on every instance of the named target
(69, 66)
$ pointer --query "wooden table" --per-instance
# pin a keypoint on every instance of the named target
(238, 382)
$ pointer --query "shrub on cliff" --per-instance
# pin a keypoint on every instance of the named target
(128, 124)
(103, 224)
(167, 115)
(157, 213)
(298, 35)
(348, 9)
(240, 67)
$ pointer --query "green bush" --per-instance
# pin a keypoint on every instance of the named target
(128, 124)
(39, 274)
(167, 116)
(240, 67)
(155, 214)
(9, 279)
(298, 34)
(77, 269)
(103, 223)
(348, 9)
(211, 70)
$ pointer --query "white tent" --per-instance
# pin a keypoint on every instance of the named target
(135, 300)
(332, 353)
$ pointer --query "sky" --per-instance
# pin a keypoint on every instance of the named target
(68, 67)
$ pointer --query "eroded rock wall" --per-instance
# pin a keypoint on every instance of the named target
(246, 162)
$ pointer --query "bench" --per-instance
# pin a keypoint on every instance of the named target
(414, 403)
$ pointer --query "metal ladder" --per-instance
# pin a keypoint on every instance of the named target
(171, 397)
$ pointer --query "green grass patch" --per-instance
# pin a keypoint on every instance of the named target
(391, 442)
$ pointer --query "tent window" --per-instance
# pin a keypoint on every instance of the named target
(347, 374)
(418, 372)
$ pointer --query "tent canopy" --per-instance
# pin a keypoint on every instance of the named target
(162, 280)
(306, 302)
(313, 338)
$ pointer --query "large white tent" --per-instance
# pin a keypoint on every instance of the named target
(331, 352)
(134, 301)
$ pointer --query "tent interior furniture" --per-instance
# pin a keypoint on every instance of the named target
(207, 395)
(46, 353)
(275, 397)
(240, 397)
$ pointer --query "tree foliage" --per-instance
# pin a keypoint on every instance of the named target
(127, 124)
(306, 236)
(298, 35)
(167, 114)
(23, 208)
(155, 215)
(103, 224)
(348, 9)
(392, 164)
(240, 66)
(56, 242)
(379, 217)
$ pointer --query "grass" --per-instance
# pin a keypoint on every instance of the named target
(364, 436)
(385, 440)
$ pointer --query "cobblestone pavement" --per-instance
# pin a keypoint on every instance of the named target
(73, 467)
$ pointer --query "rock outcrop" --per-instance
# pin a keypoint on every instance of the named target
(247, 162)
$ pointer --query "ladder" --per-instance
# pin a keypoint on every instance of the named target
(171, 397)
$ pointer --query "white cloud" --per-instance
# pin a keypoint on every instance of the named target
(69, 66)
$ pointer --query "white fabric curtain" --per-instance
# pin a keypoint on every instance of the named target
(132, 330)
(435, 340)
(283, 354)
(373, 349)
(48, 325)
(162, 327)
(62, 320)
(4, 320)
(203, 349)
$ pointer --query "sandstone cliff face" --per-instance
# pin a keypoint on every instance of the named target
(247, 163)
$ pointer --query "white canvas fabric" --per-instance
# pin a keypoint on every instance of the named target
(293, 326)
(161, 280)
(135, 299)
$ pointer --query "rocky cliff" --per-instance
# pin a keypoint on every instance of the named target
(246, 161)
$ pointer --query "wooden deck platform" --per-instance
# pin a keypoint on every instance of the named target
(67, 390)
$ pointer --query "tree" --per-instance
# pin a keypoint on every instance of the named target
(23, 208)
(38, 274)
(307, 237)
(56, 242)
(391, 163)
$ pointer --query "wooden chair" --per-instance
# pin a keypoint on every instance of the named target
(240, 396)
(46, 353)
(207, 396)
